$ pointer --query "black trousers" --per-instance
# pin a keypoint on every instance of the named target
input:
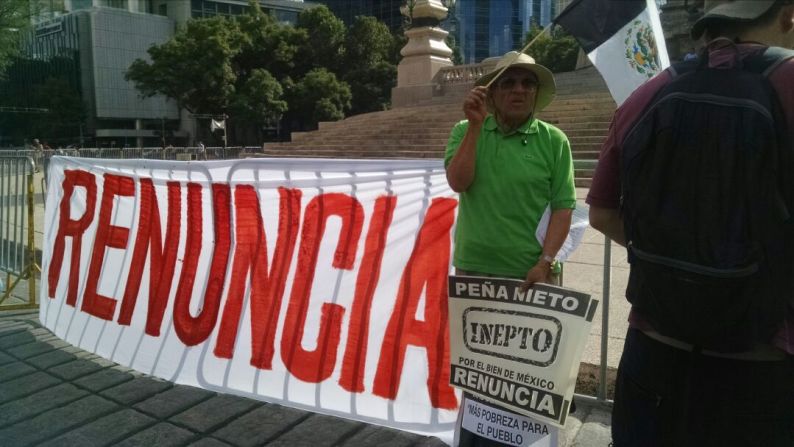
(669, 397)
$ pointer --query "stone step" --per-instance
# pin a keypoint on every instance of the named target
(586, 140)
(583, 182)
(586, 154)
(354, 154)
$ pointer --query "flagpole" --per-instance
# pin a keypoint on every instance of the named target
(526, 47)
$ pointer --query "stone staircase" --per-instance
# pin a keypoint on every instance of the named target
(583, 110)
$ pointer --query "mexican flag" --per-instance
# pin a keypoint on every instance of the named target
(622, 38)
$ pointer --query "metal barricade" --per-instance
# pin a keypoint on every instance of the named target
(17, 228)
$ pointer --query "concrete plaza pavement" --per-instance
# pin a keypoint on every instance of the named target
(52, 393)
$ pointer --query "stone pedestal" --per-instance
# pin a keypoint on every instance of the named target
(423, 55)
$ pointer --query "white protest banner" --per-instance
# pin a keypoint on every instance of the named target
(520, 350)
(316, 284)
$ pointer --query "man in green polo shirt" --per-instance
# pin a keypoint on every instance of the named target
(509, 167)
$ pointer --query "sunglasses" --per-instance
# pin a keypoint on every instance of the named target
(507, 84)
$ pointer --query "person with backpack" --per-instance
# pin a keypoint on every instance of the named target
(696, 179)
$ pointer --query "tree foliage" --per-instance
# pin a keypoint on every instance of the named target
(369, 68)
(14, 19)
(557, 50)
(256, 69)
(319, 96)
(258, 100)
(194, 67)
(326, 35)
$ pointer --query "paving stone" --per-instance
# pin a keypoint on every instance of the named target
(5, 358)
(173, 401)
(13, 370)
(17, 410)
(56, 421)
(9, 322)
(74, 369)
(212, 413)
(432, 441)
(382, 437)
(318, 430)
(51, 359)
(101, 361)
(259, 425)
(14, 328)
(102, 379)
(103, 431)
(209, 442)
(160, 435)
(27, 384)
(36, 348)
(136, 390)
(22, 338)
(595, 430)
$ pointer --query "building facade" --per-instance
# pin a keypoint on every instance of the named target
(490, 28)
(92, 43)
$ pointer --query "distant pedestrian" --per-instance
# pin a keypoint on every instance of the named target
(202, 151)
(38, 150)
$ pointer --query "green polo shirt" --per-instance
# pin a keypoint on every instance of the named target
(516, 176)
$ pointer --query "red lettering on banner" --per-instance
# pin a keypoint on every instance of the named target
(72, 228)
(267, 288)
(427, 270)
(194, 330)
(316, 366)
(162, 257)
(107, 235)
(352, 378)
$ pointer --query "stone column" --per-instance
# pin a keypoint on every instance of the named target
(423, 55)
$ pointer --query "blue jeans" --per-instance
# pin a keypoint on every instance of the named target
(665, 396)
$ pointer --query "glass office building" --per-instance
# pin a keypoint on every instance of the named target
(489, 28)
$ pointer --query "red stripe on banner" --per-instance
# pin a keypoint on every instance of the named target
(427, 271)
(267, 288)
(352, 378)
(194, 330)
(72, 228)
(107, 235)
(162, 257)
(316, 366)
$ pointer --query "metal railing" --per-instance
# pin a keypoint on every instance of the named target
(461, 74)
(17, 232)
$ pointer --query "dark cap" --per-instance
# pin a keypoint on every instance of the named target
(730, 11)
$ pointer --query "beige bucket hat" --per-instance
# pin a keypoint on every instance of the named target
(730, 10)
(547, 88)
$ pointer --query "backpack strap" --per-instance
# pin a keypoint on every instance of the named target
(765, 62)
(768, 60)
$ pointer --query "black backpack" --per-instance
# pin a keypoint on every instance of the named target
(706, 178)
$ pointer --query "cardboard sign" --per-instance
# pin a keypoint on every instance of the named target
(518, 350)
(505, 427)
